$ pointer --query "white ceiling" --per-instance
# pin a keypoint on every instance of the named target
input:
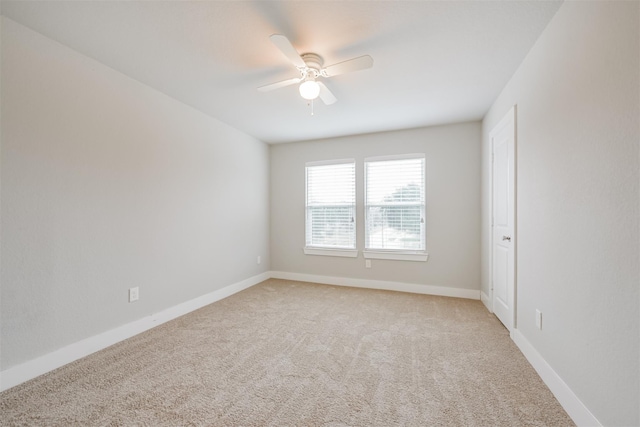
(435, 62)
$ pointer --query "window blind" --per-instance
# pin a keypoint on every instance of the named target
(330, 205)
(395, 203)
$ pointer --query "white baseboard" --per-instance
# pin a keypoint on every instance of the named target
(567, 398)
(379, 284)
(486, 301)
(41, 365)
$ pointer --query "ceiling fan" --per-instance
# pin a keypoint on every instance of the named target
(310, 66)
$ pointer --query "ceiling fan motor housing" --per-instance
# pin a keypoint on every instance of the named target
(314, 64)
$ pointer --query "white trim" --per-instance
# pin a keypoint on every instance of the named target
(329, 162)
(43, 364)
(380, 284)
(486, 300)
(396, 255)
(349, 253)
(395, 157)
(567, 398)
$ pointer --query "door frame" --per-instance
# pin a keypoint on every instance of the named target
(511, 114)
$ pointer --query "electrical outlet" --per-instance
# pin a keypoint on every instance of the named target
(134, 294)
(367, 263)
(539, 319)
(259, 259)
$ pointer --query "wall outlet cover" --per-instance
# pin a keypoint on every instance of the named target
(134, 294)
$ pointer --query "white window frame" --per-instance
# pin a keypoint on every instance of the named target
(396, 254)
(330, 251)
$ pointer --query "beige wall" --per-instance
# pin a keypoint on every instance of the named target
(453, 205)
(577, 95)
(108, 184)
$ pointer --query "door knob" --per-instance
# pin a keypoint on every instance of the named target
(507, 238)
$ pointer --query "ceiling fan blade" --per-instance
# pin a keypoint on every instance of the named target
(278, 85)
(287, 49)
(325, 94)
(355, 64)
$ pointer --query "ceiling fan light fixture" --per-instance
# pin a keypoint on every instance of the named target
(309, 89)
(311, 66)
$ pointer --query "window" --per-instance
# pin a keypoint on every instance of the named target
(395, 207)
(331, 208)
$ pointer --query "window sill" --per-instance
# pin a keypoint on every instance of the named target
(349, 253)
(397, 255)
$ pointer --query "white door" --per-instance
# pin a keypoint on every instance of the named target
(503, 224)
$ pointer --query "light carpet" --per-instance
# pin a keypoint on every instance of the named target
(286, 353)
